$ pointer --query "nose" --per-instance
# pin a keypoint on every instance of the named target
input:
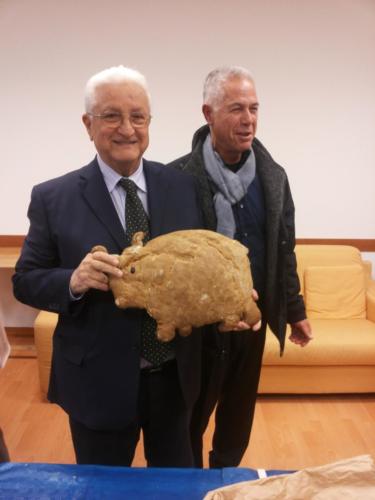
(247, 116)
(126, 126)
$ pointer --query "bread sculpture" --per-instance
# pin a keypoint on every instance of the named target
(186, 279)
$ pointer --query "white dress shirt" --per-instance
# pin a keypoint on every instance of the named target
(118, 193)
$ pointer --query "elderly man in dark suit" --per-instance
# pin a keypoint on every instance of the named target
(108, 372)
(245, 195)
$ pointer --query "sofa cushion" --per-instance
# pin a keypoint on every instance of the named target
(336, 292)
(335, 342)
(325, 255)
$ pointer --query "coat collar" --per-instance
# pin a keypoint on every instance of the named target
(271, 175)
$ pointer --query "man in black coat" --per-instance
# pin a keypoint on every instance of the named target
(101, 375)
(245, 195)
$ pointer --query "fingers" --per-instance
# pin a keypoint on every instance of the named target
(300, 338)
(239, 327)
(242, 325)
(298, 341)
(94, 271)
(301, 333)
(257, 326)
(105, 262)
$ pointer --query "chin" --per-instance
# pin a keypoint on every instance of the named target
(243, 148)
(246, 146)
(128, 157)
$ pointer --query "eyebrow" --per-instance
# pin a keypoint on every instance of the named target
(241, 104)
(113, 109)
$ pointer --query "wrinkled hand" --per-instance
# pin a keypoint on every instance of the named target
(301, 333)
(94, 272)
(242, 325)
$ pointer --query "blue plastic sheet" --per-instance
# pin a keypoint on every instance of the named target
(31, 481)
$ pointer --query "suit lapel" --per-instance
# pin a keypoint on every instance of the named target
(96, 194)
(157, 193)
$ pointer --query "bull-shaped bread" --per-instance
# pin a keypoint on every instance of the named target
(186, 279)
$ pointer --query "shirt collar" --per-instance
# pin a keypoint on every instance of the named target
(111, 177)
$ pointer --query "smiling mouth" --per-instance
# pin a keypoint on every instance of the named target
(124, 143)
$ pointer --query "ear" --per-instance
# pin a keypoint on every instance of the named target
(208, 113)
(137, 239)
(88, 124)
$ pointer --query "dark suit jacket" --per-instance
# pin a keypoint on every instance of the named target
(96, 346)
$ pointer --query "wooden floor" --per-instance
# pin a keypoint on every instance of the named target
(288, 433)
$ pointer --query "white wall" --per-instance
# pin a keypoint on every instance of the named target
(14, 313)
(313, 62)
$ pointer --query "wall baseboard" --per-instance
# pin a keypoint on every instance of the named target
(364, 245)
(12, 240)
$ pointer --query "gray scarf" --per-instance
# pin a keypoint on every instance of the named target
(231, 186)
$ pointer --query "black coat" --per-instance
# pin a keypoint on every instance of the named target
(283, 302)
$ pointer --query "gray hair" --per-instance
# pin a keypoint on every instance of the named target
(116, 74)
(217, 78)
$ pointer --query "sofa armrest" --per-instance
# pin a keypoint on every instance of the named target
(370, 301)
(367, 265)
(44, 326)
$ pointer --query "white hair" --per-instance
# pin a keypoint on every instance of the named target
(116, 74)
(213, 88)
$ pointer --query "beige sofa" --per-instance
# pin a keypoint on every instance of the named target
(340, 300)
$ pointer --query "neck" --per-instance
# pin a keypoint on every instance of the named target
(125, 170)
(228, 157)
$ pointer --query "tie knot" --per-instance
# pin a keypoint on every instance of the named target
(129, 186)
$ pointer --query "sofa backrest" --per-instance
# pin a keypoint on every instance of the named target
(332, 281)
(325, 255)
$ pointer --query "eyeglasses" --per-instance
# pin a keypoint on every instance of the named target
(113, 119)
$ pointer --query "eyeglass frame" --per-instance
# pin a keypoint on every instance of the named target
(120, 119)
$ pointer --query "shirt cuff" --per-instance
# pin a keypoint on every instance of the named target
(75, 297)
